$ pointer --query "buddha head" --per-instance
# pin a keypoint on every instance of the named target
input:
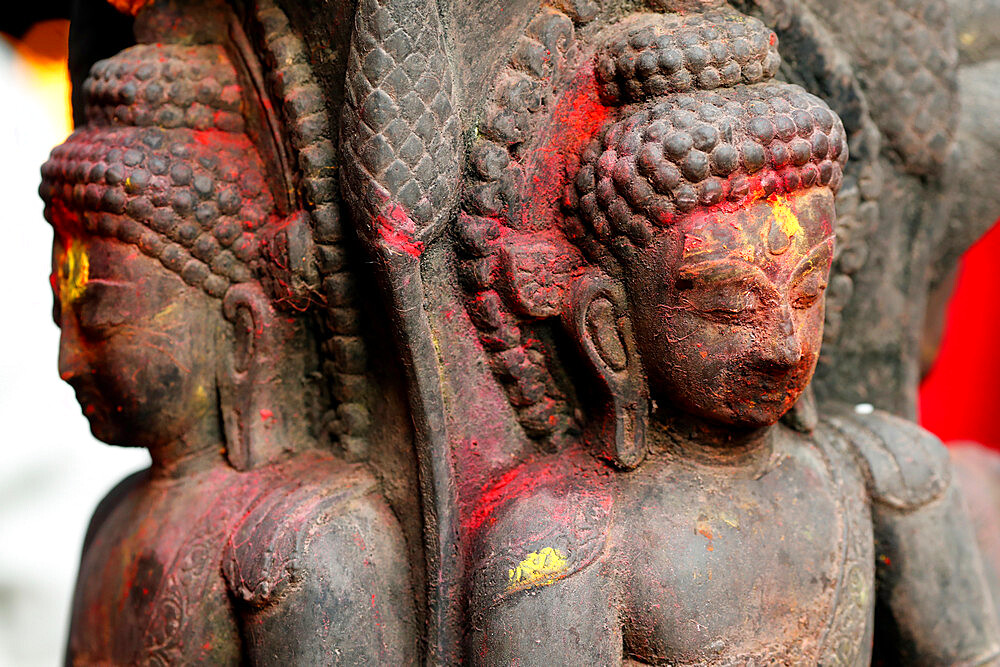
(707, 214)
(183, 274)
(714, 211)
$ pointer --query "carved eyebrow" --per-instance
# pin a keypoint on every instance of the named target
(808, 263)
(101, 288)
(721, 270)
(105, 303)
(107, 282)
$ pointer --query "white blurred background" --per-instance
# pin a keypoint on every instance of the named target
(52, 471)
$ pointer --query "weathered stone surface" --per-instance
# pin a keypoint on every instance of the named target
(483, 332)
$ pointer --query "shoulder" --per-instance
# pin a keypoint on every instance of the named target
(271, 548)
(111, 501)
(540, 523)
(905, 466)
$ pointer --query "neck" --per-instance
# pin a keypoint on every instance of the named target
(698, 439)
(184, 457)
(196, 448)
(273, 435)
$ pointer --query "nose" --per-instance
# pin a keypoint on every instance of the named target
(72, 365)
(784, 349)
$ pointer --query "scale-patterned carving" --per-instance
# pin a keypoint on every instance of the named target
(906, 61)
(401, 135)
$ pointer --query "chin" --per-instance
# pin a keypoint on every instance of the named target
(110, 431)
(770, 412)
(747, 414)
(753, 417)
(107, 433)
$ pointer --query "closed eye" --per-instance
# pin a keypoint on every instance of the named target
(807, 291)
(104, 306)
(730, 301)
(725, 290)
(809, 279)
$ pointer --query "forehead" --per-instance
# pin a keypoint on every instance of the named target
(105, 257)
(87, 265)
(760, 231)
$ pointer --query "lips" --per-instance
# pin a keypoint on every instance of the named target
(89, 400)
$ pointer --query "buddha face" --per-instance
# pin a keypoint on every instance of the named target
(728, 307)
(137, 342)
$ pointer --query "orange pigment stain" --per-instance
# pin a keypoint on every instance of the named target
(693, 245)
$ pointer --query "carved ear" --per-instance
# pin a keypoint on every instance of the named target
(596, 317)
(245, 371)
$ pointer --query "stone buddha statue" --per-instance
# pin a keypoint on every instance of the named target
(597, 241)
(687, 505)
(191, 325)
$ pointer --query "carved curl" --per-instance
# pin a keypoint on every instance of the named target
(700, 150)
(656, 54)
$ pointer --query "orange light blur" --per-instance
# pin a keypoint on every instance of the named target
(131, 7)
(43, 53)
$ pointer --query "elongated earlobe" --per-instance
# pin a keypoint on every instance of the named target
(596, 317)
(802, 416)
(244, 374)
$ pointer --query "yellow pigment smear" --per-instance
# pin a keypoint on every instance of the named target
(539, 568)
(74, 273)
(785, 217)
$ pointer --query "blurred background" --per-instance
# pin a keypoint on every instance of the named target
(53, 473)
(960, 394)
